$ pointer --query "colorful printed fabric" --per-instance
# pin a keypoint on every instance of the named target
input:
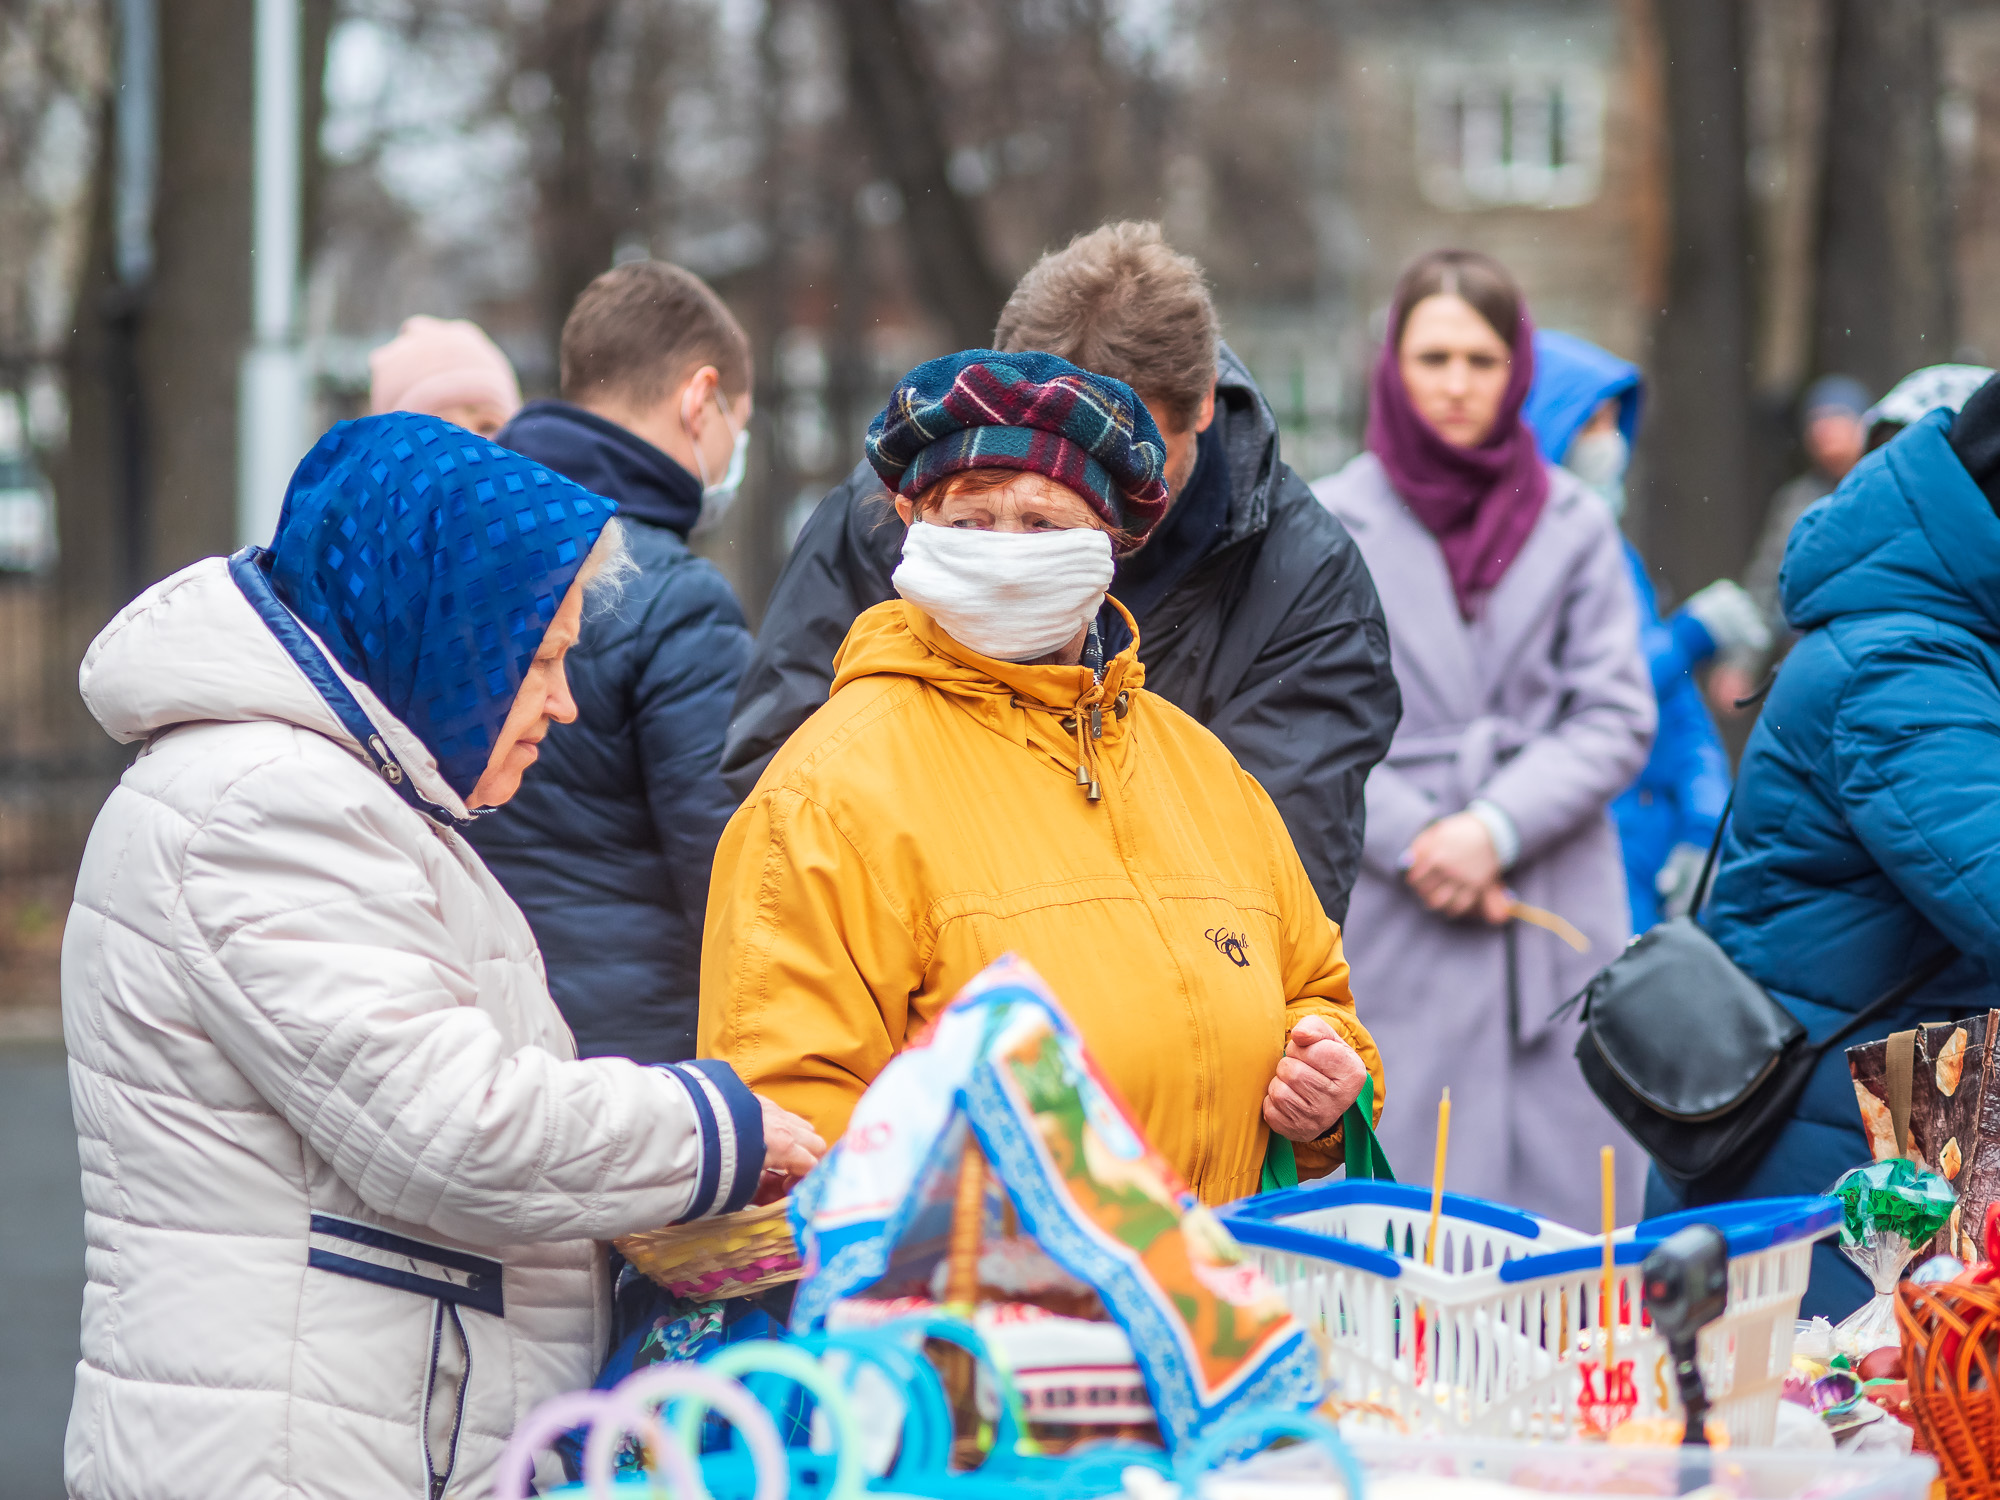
(673, 1330)
(1003, 1065)
(981, 409)
(430, 562)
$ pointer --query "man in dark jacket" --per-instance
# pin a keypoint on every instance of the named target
(607, 845)
(1256, 613)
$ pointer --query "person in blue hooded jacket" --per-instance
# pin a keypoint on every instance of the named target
(1584, 410)
(608, 844)
(1865, 840)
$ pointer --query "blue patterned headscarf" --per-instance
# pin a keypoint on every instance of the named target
(430, 562)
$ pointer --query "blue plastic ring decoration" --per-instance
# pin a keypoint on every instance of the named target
(926, 1437)
(760, 1356)
(1257, 1429)
(694, 1389)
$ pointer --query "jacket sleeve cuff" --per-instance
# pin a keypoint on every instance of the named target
(1693, 639)
(731, 1122)
(1500, 828)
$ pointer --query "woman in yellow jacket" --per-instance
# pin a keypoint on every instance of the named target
(981, 782)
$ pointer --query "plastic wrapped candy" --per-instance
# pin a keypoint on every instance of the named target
(1938, 1268)
(1892, 1207)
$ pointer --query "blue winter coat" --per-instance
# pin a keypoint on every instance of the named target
(607, 845)
(1680, 794)
(1866, 834)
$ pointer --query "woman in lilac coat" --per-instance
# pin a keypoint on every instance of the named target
(1526, 710)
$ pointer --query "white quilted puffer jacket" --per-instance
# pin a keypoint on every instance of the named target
(343, 1177)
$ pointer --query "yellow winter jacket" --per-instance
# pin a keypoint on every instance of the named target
(930, 818)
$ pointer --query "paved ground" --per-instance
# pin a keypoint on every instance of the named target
(41, 1268)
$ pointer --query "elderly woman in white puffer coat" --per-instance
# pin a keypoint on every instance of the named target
(343, 1174)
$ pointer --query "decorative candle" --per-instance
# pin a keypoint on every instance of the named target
(1437, 1179)
(1609, 1307)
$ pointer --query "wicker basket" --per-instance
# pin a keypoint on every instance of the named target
(731, 1255)
(1951, 1351)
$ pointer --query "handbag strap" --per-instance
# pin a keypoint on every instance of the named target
(1714, 848)
(1936, 965)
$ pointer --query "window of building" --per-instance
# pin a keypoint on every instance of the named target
(1510, 134)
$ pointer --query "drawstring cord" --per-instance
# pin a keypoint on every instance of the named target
(1086, 746)
(1086, 720)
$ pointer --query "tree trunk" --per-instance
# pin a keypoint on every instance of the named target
(1700, 519)
(577, 236)
(1885, 293)
(195, 321)
(315, 34)
(850, 391)
(148, 482)
(94, 566)
(892, 87)
(759, 537)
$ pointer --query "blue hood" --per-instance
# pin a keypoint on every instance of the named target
(607, 460)
(1572, 379)
(1906, 530)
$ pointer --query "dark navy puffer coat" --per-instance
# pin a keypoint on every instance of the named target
(1866, 833)
(607, 845)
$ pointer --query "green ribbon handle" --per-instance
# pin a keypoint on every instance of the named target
(1366, 1161)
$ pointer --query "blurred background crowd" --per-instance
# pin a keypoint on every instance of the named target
(1742, 196)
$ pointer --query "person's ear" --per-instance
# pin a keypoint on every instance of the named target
(1206, 415)
(697, 395)
(905, 509)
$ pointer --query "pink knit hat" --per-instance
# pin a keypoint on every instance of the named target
(433, 364)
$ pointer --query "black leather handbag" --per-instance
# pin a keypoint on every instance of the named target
(1695, 1059)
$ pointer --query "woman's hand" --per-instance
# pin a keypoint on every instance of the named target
(791, 1147)
(1317, 1079)
(1453, 865)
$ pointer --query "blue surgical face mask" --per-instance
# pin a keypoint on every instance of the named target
(1599, 459)
(716, 498)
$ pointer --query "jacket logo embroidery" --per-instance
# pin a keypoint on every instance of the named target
(1231, 945)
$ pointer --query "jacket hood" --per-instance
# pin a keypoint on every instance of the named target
(1249, 432)
(1574, 377)
(607, 460)
(1024, 704)
(193, 649)
(1906, 530)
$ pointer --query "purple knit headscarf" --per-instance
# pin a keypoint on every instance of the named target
(1480, 502)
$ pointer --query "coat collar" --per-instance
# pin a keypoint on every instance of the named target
(1434, 646)
(1046, 709)
(608, 460)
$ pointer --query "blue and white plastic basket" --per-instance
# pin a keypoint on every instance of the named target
(1503, 1336)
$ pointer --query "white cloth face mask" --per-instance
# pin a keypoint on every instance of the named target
(716, 498)
(1010, 595)
(1599, 459)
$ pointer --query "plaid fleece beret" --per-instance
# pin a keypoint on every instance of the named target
(981, 409)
